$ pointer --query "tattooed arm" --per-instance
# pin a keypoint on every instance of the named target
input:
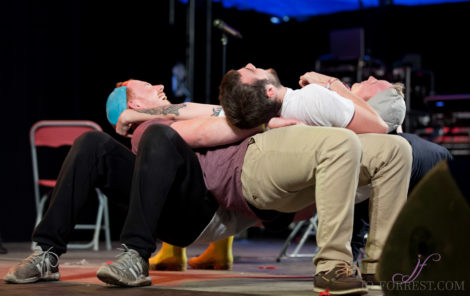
(184, 111)
(131, 118)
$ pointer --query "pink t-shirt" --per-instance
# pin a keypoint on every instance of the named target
(221, 167)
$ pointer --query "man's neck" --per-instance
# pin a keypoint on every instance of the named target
(281, 93)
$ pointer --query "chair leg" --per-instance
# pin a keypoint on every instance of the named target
(289, 240)
(107, 232)
(312, 229)
(99, 219)
(39, 212)
(306, 234)
(100, 224)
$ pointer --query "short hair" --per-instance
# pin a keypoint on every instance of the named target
(399, 87)
(131, 95)
(246, 105)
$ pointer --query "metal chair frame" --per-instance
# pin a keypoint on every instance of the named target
(312, 228)
(74, 128)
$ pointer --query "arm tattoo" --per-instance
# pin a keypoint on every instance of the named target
(216, 111)
(164, 110)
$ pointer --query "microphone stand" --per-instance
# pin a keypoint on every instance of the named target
(224, 41)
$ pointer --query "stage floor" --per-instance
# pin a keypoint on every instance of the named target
(255, 272)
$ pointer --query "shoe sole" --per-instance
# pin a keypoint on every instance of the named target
(374, 287)
(9, 278)
(108, 277)
(359, 291)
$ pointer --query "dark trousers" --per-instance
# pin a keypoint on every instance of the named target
(163, 185)
(425, 156)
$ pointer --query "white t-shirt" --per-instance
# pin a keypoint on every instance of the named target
(316, 105)
(223, 224)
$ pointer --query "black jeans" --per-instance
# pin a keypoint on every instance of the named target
(163, 185)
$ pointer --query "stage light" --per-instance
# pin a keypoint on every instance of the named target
(275, 20)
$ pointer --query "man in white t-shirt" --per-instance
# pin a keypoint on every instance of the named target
(250, 96)
(316, 105)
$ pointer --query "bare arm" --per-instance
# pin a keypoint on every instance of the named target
(184, 111)
(210, 132)
(130, 118)
(365, 119)
(216, 131)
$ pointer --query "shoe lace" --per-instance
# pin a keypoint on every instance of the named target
(128, 261)
(347, 270)
(40, 258)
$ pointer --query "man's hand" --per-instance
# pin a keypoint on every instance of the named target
(277, 122)
(314, 77)
(129, 120)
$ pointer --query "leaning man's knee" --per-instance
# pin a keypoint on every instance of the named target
(349, 140)
(157, 132)
(402, 147)
(91, 139)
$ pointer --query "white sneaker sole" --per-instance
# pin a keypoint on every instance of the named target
(105, 275)
(12, 279)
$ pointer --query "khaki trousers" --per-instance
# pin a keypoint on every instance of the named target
(288, 169)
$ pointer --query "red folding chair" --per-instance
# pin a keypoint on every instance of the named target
(55, 134)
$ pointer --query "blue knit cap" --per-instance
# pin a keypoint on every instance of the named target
(116, 104)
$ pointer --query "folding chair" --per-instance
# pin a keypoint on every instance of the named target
(312, 228)
(54, 134)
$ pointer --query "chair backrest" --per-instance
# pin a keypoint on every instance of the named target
(55, 133)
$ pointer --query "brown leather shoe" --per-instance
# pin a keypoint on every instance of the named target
(342, 279)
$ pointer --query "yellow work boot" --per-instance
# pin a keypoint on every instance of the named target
(217, 256)
(169, 258)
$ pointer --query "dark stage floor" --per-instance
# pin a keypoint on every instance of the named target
(255, 272)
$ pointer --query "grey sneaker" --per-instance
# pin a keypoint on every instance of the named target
(130, 270)
(40, 265)
(341, 280)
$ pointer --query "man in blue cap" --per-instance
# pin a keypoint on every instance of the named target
(144, 101)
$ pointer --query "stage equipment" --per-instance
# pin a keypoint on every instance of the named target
(426, 252)
(449, 122)
(226, 30)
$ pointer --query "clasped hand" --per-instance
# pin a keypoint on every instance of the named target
(314, 77)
